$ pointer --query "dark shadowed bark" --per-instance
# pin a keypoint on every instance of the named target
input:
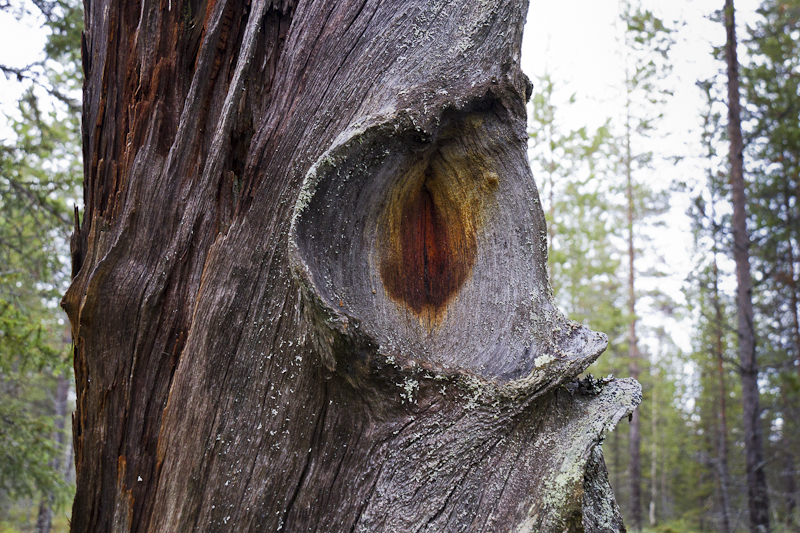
(756, 478)
(311, 289)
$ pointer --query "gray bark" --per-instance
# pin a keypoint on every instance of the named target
(310, 289)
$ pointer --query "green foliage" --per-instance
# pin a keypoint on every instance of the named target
(583, 259)
(29, 450)
(772, 132)
(39, 179)
(581, 177)
(647, 43)
(771, 86)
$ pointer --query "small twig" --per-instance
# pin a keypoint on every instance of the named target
(27, 73)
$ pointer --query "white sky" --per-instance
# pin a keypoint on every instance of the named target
(576, 42)
(20, 45)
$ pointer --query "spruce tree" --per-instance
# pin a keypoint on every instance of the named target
(771, 88)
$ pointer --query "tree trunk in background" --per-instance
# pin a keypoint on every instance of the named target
(756, 478)
(787, 457)
(634, 443)
(311, 287)
(794, 298)
(653, 460)
(722, 426)
(60, 402)
(791, 423)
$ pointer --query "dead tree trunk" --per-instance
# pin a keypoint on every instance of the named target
(310, 285)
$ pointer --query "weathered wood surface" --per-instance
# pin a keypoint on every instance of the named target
(311, 291)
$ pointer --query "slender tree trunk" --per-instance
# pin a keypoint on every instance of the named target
(664, 493)
(789, 481)
(756, 479)
(45, 517)
(794, 301)
(787, 466)
(310, 286)
(722, 426)
(653, 459)
(634, 443)
(790, 431)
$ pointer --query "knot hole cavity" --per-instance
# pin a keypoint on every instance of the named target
(428, 229)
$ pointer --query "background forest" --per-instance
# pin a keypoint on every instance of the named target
(609, 193)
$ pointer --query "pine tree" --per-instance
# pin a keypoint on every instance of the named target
(572, 169)
(648, 41)
(707, 300)
(756, 478)
(576, 172)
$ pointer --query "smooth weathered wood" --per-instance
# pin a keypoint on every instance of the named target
(311, 290)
